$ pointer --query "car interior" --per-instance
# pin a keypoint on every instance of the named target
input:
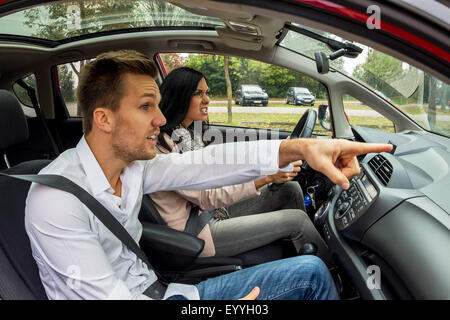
(392, 225)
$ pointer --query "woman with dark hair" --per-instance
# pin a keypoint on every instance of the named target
(246, 216)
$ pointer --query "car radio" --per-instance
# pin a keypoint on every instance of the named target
(352, 203)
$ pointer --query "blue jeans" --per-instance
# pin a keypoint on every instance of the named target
(297, 278)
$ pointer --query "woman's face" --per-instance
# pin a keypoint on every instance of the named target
(198, 108)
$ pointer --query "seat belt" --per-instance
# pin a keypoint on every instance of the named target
(67, 185)
(196, 222)
(32, 94)
(149, 209)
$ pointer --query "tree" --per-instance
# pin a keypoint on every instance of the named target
(64, 20)
(380, 71)
(229, 94)
(171, 61)
(212, 67)
(432, 104)
(69, 19)
(66, 82)
(275, 80)
(22, 93)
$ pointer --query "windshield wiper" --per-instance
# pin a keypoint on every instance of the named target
(352, 51)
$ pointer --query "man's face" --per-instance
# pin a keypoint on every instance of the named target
(138, 119)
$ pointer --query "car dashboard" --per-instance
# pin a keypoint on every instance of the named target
(390, 230)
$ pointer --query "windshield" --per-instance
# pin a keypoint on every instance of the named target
(418, 94)
(252, 89)
(64, 20)
(303, 91)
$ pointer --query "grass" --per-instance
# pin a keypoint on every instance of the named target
(282, 105)
(410, 110)
(423, 110)
(287, 122)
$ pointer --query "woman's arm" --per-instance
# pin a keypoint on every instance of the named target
(219, 197)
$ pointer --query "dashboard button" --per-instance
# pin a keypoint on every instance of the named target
(327, 232)
(344, 221)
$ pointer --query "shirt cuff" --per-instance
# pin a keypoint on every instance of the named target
(269, 151)
(288, 168)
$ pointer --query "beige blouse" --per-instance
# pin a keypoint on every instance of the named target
(175, 206)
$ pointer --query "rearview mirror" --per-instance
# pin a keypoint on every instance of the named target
(324, 117)
(322, 62)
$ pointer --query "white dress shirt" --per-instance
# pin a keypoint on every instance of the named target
(79, 258)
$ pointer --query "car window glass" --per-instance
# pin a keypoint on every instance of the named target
(23, 96)
(66, 19)
(68, 82)
(248, 101)
(421, 96)
(359, 114)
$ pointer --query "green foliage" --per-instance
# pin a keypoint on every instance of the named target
(67, 19)
(66, 82)
(275, 80)
(379, 71)
(22, 94)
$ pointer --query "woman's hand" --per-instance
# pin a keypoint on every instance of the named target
(281, 177)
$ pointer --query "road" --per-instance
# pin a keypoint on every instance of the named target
(71, 106)
(422, 118)
(287, 110)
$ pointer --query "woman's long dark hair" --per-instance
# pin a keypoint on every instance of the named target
(176, 93)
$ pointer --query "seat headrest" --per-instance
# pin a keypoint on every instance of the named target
(13, 124)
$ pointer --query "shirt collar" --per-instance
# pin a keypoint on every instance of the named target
(94, 173)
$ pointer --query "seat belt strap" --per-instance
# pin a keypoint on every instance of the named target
(196, 222)
(150, 209)
(32, 94)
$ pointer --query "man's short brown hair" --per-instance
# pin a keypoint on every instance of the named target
(100, 83)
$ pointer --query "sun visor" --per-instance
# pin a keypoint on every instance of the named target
(240, 40)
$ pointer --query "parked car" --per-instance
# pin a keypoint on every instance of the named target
(251, 94)
(393, 224)
(300, 96)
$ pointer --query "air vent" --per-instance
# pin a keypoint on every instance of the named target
(382, 168)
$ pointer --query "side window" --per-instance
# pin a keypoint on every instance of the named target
(23, 97)
(359, 114)
(68, 82)
(258, 91)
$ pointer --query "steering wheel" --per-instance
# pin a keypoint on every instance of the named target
(303, 129)
(305, 125)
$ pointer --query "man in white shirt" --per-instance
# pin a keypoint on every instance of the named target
(79, 258)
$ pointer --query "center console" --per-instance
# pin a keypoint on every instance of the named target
(349, 205)
(352, 203)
